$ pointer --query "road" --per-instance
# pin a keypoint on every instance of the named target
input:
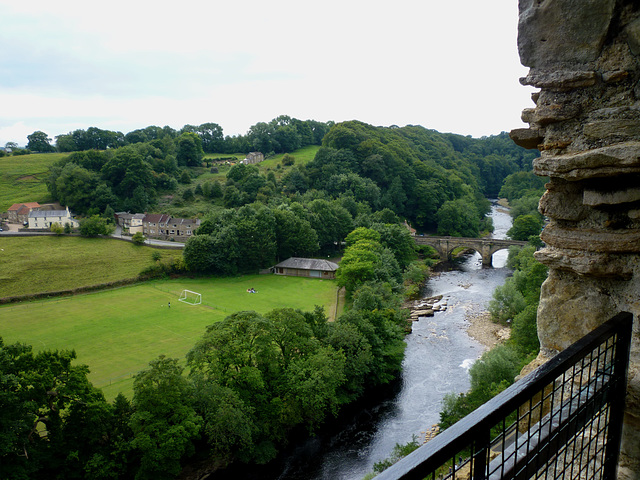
(12, 229)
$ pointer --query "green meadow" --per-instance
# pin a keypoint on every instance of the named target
(50, 263)
(117, 332)
(22, 178)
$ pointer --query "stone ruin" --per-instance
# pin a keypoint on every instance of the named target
(584, 57)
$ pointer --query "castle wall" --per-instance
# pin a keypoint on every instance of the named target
(584, 57)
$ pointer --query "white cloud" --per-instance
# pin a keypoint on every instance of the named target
(450, 66)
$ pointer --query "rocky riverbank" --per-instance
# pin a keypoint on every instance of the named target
(485, 331)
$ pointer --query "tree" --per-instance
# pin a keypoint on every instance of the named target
(294, 235)
(189, 150)
(37, 392)
(75, 187)
(524, 227)
(138, 238)
(458, 218)
(199, 253)
(66, 143)
(507, 302)
(94, 226)
(211, 136)
(39, 142)
(164, 423)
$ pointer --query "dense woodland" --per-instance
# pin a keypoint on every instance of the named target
(253, 379)
(437, 182)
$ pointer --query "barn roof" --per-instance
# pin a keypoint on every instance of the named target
(309, 264)
(17, 206)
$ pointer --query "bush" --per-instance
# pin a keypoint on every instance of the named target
(57, 228)
(288, 160)
(138, 238)
(94, 226)
(507, 302)
(524, 330)
(185, 178)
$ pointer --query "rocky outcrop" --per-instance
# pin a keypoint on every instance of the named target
(584, 57)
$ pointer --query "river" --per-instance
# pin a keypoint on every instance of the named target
(438, 355)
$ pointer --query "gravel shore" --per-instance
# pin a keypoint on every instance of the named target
(485, 331)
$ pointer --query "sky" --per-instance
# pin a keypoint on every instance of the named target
(448, 65)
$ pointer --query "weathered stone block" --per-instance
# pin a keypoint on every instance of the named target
(586, 263)
(591, 240)
(564, 202)
(612, 160)
(560, 79)
(560, 32)
(570, 307)
(619, 127)
(528, 138)
(595, 197)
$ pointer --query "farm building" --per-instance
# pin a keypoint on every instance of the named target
(306, 267)
(253, 157)
(43, 219)
(19, 212)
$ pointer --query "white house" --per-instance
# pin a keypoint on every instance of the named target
(43, 219)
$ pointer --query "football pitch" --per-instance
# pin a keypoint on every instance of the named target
(117, 332)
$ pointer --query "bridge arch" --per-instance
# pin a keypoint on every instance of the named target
(486, 247)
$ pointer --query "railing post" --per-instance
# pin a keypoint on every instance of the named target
(479, 460)
(616, 409)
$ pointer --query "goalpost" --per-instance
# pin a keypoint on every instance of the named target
(192, 298)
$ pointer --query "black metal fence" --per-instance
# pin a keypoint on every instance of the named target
(562, 421)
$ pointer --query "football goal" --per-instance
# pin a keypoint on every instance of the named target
(192, 298)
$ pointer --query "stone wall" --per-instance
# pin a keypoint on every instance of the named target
(584, 57)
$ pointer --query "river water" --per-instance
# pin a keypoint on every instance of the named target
(437, 359)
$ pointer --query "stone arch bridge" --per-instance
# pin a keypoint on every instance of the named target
(484, 246)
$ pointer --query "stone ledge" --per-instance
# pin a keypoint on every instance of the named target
(613, 160)
(586, 263)
(595, 198)
(592, 241)
(561, 79)
(528, 138)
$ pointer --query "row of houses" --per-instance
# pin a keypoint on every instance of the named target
(34, 216)
(157, 225)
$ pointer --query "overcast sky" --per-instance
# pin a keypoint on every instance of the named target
(448, 65)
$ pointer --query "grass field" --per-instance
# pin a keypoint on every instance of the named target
(117, 332)
(22, 178)
(49, 264)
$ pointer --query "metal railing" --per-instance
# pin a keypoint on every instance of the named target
(562, 421)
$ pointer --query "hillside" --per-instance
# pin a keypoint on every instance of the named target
(22, 178)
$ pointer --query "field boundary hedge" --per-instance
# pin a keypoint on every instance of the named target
(72, 291)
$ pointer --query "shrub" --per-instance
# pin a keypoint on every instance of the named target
(57, 228)
(288, 160)
(138, 238)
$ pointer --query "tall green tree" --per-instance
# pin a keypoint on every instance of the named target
(39, 142)
(189, 150)
(164, 423)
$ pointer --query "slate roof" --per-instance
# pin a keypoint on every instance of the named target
(309, 264)
(47, 213)
(156, 218)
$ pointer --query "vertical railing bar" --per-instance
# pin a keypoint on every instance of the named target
(579, 410)
(620, 366)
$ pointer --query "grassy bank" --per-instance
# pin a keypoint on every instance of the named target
(117, 332)
(22, 178)
(50, 264)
